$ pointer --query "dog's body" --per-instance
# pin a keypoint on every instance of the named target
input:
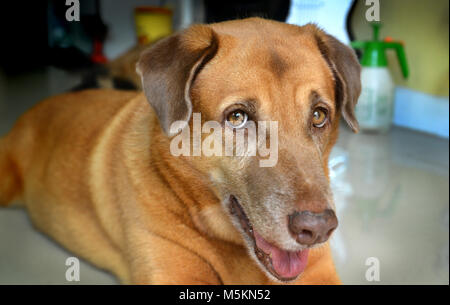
(95, 170)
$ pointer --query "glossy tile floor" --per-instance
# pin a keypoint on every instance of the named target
(392, 198)
(391, 193)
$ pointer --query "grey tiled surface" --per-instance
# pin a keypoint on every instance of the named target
(392, 198)
(391, 194)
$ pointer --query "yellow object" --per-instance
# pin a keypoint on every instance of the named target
(152, 23)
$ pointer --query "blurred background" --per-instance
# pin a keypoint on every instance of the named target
(390, 181)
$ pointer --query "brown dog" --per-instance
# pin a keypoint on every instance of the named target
(96, 173)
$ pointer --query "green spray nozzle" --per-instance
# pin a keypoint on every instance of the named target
(374, 51)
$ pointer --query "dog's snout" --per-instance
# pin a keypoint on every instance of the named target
(312, 228)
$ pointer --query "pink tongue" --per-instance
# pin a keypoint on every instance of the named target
(286, 264)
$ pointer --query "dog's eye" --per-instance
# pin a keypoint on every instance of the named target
(319, 117)
(237, 118)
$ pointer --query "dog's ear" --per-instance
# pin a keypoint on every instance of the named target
(346, 70)
(168, 70)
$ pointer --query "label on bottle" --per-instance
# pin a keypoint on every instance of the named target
(374, 109)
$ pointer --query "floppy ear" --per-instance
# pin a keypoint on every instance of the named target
(346, 70)
(168, 70)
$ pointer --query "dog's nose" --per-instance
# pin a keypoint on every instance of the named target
(312, 228)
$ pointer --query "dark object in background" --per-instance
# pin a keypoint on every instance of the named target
(97, 30)
(100, 77)
(68, 58)
(217, 11)
(36, 34)
(77, 44)
(348, 25)
(23, 30)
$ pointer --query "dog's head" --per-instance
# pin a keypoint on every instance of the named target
(239, 73)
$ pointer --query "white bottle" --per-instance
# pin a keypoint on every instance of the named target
(376, 104)
(375, 107)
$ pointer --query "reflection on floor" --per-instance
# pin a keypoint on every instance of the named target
(391, 194)
(392, 199)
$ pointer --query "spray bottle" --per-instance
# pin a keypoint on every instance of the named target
(376, 103)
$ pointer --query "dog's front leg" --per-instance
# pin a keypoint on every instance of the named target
(159, 260)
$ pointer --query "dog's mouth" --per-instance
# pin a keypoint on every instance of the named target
(282, 264)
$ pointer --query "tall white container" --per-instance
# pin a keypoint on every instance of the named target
(376, 103)
(374, 110)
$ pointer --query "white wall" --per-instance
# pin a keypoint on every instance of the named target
(330, 15)
(421, 111)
